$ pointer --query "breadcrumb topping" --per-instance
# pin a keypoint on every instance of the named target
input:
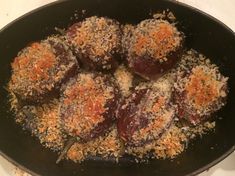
(43, 122)
(148, 112)
(127, 31)
(106, 146)
(39, 57)
(40, 67)
(96, 37)
(193, 90)
(155, 38)
(200, 87)
(49, 129)
(124, 79)
(84, 103)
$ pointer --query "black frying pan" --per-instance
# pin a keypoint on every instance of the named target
(204, 34)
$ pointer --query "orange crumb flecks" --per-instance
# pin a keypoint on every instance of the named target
(157, 123)
(171, 144)
(96, 36)
(86, 100)
(35, 63)
(141, 42)
(156, 39)
(158, 104)
(82, 37)
(202, 88)
(164, 33)
(48, 126)
(90, 106)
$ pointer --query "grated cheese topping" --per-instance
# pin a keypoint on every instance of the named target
(84, 102)
(97, 37)
(201, 85)
(39, 68)
(124, 79)
(195, 84)
(154, 38)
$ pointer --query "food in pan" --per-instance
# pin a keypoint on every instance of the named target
(96, 42)
(145, 115)
(88, 105)
(124, 79)
(44, 122)
(199, 91)
(154, 47)
(40, 69)
(138, 91)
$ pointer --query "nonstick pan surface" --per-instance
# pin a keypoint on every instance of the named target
(203, 33)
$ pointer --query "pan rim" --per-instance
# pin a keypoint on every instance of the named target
(177, 3)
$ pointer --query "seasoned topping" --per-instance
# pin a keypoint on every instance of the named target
(124, 79)
(95, 37)
(154, 48)
(84, 103)
(158, 104)
(127, 31)
(156, 126)
(200, 89)
(78, 118)
(41, 67)
(155, 38)
(168, 146)
(105, 146)
(203, 88)
(43, 121)
(145, 114)
(34, 62)
(49, 128)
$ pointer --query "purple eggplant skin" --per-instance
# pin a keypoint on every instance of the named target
(87, 54)
(132, 118)
(41, 91)
(67, 110)
(109, 116)
(150, 69)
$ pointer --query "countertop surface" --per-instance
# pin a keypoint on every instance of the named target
(220, 9)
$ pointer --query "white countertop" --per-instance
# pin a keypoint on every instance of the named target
(221, 9)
